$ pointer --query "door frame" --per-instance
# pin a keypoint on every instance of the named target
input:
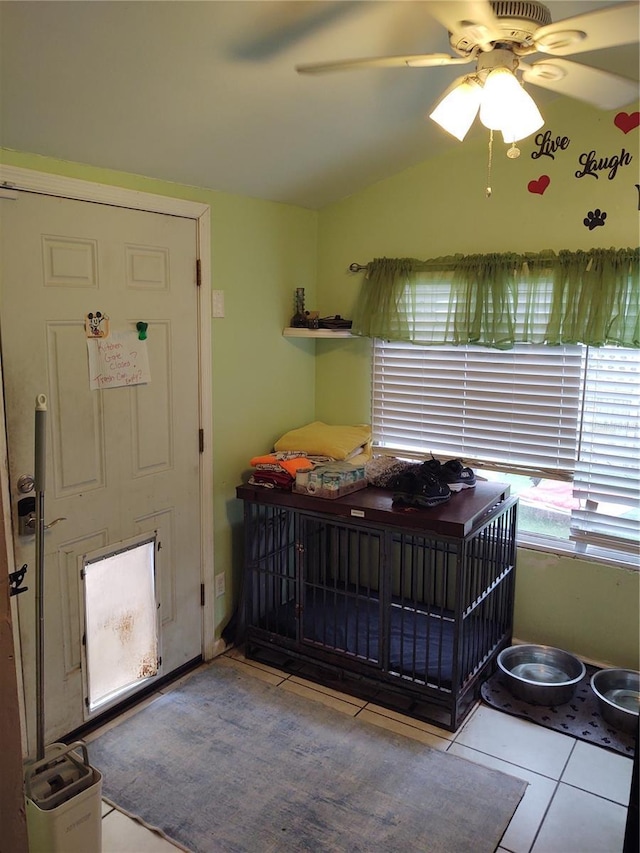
(18, 178)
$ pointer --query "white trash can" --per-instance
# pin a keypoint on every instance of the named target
(64, 801)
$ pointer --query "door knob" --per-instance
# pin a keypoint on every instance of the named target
(25, 484)
(28, 523)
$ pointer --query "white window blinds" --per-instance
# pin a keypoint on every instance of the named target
(542, 410)
(510, 410)
(607, 474)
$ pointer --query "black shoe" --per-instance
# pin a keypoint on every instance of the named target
(453, 473)
(457, 476)
(430, 491)
(421, 490)
(404, 488)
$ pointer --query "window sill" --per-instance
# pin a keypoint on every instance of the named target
(560, 549)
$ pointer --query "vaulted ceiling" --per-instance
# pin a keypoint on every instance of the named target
(206, 93)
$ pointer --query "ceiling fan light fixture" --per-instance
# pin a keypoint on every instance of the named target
(523, 119)
(500, 91)
(505, 106)
(457, 110)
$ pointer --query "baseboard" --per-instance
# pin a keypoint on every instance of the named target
(599, 664)
(218, 647)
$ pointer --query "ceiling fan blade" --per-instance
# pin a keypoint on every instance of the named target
(598, 88)
(417, 60)
(475, 18)
(602, 28)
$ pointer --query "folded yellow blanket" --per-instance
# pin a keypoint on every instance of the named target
(320, 439)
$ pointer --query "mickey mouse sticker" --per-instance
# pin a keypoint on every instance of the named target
(96, 325)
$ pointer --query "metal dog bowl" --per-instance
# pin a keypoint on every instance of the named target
(540, 675)
(618, 695)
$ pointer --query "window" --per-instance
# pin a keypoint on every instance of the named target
(562, 423)
(526, 366)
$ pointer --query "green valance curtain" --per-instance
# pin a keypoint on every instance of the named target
(498, 300)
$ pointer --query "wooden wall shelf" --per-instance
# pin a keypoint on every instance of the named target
(291, 332)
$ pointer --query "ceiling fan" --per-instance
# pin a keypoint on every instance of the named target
(496, 35)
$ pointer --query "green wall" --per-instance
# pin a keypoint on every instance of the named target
(262, 384)
(440, 207)
(590, 609)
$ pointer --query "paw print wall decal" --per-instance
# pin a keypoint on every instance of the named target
(540, 185)
(627, 121)
(594, 218)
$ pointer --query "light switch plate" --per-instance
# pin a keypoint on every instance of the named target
(220, 585)
(217, 303)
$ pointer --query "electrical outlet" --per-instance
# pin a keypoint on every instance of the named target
(217, 303)
(220, 586)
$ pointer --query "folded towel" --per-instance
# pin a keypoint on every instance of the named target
(320, 439)
(272, 479)
(276, 461)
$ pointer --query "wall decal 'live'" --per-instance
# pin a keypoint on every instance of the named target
(547, 146)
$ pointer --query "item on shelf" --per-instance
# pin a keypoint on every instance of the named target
(277, 470)
(330, 481)
(451, 473)
(420, 489)
(272, 480)
(336, 323)
(313, 319)
(384, 471)
(336, 442)
(299, 319)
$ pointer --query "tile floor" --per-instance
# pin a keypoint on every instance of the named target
(576, 800)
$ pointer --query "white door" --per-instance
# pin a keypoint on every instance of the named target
(120, 461)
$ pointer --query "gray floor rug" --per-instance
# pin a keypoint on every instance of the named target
(229, 763)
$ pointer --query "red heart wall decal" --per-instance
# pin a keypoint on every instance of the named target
(540, 185)
(627, 121)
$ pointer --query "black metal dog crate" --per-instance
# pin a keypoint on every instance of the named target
(404, 607)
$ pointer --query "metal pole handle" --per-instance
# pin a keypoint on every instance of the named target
(39, 482)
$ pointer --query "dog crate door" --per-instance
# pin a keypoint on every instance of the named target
(341, 606)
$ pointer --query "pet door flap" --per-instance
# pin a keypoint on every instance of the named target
(121, 624)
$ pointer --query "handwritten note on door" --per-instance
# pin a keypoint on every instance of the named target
(121, 359)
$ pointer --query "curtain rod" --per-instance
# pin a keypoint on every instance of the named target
(357, 267)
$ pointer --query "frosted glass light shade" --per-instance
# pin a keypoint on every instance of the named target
(457, 110)
(523, 119)
(500, 91)
(507, 107)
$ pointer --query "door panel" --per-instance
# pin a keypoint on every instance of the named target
(120, 461)
(76, 435)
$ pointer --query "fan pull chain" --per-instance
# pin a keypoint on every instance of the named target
(490, 163)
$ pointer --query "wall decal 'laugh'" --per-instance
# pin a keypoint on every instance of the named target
(540, 185)
(592, 164)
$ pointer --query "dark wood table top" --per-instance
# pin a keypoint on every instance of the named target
(457, 517)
